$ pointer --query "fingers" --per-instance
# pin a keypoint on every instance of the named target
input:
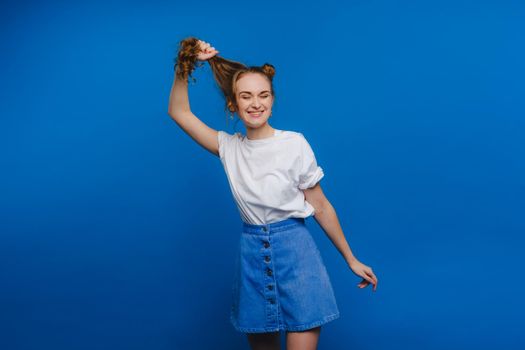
(363, 284)
(205, 46)
(366, 282)
(371, 277)
(366, 273)
(368, 278)
(206, 50)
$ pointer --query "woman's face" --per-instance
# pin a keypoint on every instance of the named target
(254, 99)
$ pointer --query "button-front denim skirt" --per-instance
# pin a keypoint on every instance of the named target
(280, 280)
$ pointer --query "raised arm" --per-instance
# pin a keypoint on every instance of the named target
(179, 109)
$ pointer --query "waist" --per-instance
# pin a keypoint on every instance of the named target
(265, 229)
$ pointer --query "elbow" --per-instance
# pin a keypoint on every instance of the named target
(172, 113)
(172, 116)
(322, 207)
(177, 114)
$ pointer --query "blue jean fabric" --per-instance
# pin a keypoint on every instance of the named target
(280, 280)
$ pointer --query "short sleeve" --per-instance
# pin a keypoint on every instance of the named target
(224, 139)
(310, 173)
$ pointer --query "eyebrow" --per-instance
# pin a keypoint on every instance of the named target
(248, 92)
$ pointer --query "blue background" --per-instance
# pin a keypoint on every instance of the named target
(118, 231)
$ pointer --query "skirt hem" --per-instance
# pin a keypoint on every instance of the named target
(282, 327)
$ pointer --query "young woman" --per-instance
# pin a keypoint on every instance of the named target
(281, 283)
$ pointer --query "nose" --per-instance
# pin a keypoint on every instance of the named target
(256, 102)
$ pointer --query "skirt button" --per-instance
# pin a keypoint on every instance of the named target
(269, 272)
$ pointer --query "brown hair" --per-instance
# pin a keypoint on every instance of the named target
(226, 72)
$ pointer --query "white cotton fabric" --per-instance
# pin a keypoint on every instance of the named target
(266, 176)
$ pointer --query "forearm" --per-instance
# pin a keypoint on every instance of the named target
(179, 101)
(326, 217)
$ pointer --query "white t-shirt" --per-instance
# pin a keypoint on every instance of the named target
(266, 176)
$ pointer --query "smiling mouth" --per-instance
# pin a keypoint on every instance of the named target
(255, 114)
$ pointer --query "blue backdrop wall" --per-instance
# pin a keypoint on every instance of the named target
(118, 231)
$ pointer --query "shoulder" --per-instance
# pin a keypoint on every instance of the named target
(298, 139)
(224, 136)
(226, 141)
(294, 136)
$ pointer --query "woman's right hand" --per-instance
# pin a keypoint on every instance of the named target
(206, 51)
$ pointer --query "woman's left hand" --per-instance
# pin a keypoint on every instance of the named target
(365, 272)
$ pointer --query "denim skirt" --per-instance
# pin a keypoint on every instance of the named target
(280, 280)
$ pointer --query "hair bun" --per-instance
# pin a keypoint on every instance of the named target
(268, 69)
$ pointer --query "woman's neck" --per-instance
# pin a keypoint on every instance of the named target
(261, 132)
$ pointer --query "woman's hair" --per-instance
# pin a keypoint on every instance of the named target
(226, 72)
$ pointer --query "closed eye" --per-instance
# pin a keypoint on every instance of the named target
(246, 96)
